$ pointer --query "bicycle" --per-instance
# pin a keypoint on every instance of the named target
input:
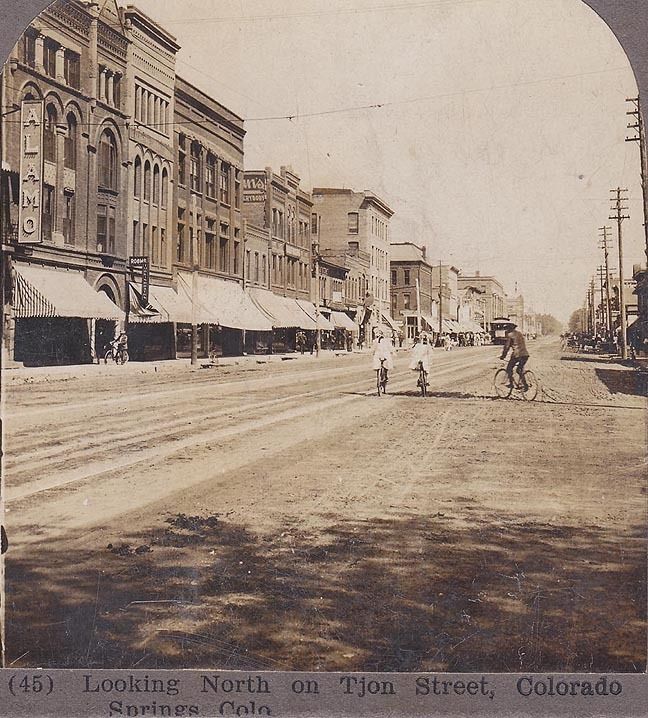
(422, 382)
(504, 389)
(118, 354)
(381, 378)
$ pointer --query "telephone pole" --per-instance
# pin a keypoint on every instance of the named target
(604, 243)
(619, 197)
(640, 137)
(600, 271)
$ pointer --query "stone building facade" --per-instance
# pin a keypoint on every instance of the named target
(66, 287)
(494, 294)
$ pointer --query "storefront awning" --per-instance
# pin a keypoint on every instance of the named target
(283, 312)
(450, 327)
(343, 321)
(165, 305)
(48, 292)
(222, 302)
(389, 321)
(322, 322)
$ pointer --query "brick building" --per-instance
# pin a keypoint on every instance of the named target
(208, 253)
(276, 206)
(409, 264)
(65, 162)
(349, 223)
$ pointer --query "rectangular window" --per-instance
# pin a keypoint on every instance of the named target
(49, 58)
(406, 272)
(48, 212)
(210, 177)
(224, 254)
(256, 267)
(248, 265)
(29, 50)
(146, 244)
(72, 69)
(406, 301)
(314, 223)
(210, 251)
(68, 220)
(237, 189)
(102, 228)
(111, 230)
(182, 168)
(354, 222)
(237, 268)
(135, 237)
(180, 245)
(265, 269)
(106, 229)
(224, 183)
(163, 248)
(394, 276)
(194, 171)
(117, 91)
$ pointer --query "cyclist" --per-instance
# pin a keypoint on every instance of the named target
(382, 350)
(421, 353)
(519, 356)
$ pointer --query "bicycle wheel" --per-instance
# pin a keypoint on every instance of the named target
(423, 382)
(501, 384)
(121, 357)
(379, 380)
(383, 379)
(532, 386)
(109, 355)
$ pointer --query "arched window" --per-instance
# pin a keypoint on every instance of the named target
(137, 187)
(71, 143)
(147, 181)
(156, 184)
(50, 134)
(108, 160)
(165, 188)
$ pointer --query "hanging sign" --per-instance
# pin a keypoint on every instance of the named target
(143, 264)
(31, 172)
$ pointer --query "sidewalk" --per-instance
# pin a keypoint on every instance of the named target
(34, 375)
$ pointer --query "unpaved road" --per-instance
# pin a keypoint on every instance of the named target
(283, 517)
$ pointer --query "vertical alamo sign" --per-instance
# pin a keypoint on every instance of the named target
(31, 172)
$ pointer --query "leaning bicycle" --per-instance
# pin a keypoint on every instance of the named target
(524, 387)
(381, 378)
(422, 382)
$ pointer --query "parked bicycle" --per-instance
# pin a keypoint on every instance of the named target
(381, 377)
(117, 351)
(522, 387)
(422, 382)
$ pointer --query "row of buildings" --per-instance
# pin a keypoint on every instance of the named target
(126, 205)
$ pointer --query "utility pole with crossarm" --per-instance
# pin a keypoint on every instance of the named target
(619, 197)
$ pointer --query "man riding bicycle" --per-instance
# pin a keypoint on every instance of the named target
(519, 357)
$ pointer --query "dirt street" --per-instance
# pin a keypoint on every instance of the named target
(285, 517)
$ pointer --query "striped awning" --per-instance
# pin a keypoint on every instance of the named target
(48, 292)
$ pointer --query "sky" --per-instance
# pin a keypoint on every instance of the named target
(494, 129)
